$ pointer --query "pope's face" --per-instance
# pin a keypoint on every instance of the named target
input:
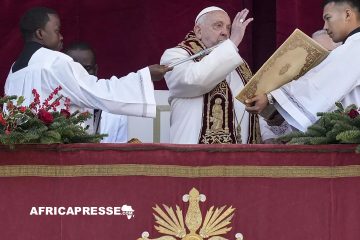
(51, 36)
(334, 16)
(214, 28)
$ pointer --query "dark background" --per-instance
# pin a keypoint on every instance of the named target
(129, 35)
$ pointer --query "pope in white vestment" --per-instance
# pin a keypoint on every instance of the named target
(189, 83)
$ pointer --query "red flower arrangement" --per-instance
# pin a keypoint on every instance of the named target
(45, 116)
(42, 122)
(65, 113)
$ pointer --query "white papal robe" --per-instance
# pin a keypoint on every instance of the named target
(188, 82)
(47, 69)
(337, 78)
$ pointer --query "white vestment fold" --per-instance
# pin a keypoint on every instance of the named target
(47, 69)
(337, 78)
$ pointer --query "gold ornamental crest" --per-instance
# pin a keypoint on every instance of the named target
(173, 227)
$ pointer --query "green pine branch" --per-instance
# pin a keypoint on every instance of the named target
(339, 126)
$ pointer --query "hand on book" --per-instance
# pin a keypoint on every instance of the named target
(256, 104)
(239, 26)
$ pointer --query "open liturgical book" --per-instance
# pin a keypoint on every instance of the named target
(297, 55)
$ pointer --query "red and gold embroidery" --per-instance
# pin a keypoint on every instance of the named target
(218, 123)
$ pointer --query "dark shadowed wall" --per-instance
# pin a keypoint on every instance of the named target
(129, 35)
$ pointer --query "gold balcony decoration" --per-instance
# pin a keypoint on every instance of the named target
(173, 226)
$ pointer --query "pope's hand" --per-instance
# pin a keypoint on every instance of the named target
(157, 71)
(256, 104)
(239, 26)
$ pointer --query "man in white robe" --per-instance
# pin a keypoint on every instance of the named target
(337, 78)
(114, 125)
(42, 67)
(197, 87)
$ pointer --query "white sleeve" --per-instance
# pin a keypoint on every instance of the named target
(129, 95)
(193, 79)
(317, 91)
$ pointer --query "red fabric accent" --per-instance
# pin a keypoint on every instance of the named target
(266, 208)
(126, 35)
(129, 35)
(170, 154)
(291, 14)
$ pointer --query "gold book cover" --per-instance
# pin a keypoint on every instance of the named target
(297, 55)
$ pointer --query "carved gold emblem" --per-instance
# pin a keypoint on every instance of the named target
(217, 114)
(172, 224)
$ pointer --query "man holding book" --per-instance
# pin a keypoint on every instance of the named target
(335, 79)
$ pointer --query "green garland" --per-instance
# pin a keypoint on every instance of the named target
(340, 126)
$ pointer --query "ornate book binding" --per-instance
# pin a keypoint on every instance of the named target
(296, 56)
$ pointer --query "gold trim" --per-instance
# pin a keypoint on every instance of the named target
(179, 171)
(250, 148)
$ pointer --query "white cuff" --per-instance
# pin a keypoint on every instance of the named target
(148, 93)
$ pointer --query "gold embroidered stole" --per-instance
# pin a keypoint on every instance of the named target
(254, 127)
(218, 125)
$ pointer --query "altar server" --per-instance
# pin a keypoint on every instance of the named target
(42, 67)
(337, 78)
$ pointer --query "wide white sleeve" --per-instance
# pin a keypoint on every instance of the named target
(317, 91)
(193, 79)
(129, 95)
